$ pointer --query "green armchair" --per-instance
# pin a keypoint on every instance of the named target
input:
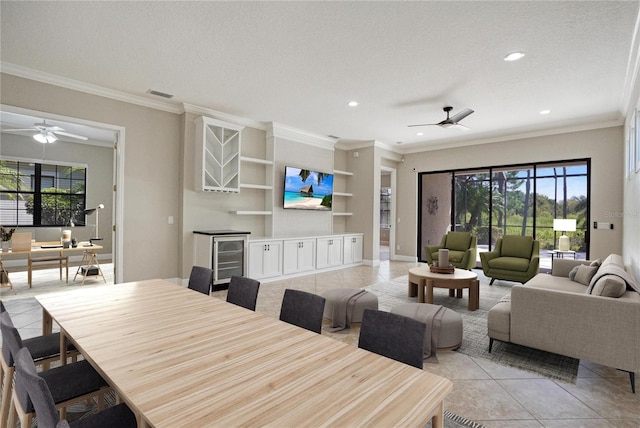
(462, 248)
(514, 258)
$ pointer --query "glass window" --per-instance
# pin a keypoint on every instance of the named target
(35, 194)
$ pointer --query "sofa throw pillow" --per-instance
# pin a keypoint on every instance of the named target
(609, 286)
(596, 262)
(573, 272)
(585, 273)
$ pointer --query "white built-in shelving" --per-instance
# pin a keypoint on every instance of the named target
(342, 194)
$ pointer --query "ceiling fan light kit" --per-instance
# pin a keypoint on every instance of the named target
(45, 137)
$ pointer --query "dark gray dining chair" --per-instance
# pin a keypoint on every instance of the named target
(200, 279)
(302, 309)
(69, 383)
(45, 350)
(39, 393)
(243, 292)
(393, 336)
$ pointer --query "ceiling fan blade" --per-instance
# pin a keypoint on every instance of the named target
(19, 130)
(66, 134)
(461, 115)
(424, 124)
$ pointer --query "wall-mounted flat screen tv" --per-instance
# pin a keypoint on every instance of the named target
(307, 189)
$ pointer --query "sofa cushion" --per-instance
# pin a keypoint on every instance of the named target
(609, 286)
(558, 283)
(584, 274)
(510, 263)
(458, 241)
(517, 246)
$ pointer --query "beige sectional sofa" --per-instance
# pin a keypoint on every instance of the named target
(579, 317)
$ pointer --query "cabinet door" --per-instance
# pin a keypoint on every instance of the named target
(322, 251)
(299, 256)
(306, 255)
(265, 259)
(335, 251)
(290, 258)
(352, 249)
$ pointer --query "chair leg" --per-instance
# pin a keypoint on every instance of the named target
(490, 344)
(491, 282)
(6, 393)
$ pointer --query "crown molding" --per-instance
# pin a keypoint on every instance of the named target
(76, 85)
(226, 117)
(298, 135)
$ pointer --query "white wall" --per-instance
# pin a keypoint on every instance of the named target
(603, 146)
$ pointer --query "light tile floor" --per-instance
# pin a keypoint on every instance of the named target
(485, 392)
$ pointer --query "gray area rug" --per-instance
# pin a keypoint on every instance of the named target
(475, 342)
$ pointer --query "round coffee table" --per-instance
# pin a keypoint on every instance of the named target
(421, 279)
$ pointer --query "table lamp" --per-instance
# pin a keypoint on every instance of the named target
(564, 225)
(90, 211)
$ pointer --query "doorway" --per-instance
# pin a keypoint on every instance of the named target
(387, 213)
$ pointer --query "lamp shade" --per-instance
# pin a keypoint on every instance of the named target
(564, 224)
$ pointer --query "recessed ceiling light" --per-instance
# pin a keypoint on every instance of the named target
(514, 56)
(353, 104)
(545, 111)
(420, 133)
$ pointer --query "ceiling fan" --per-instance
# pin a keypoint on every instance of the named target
(451, 122)
(47, 133)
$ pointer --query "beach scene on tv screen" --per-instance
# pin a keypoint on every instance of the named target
(306, 189)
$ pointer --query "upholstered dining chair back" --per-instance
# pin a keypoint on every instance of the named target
(302, 309)
(243, 292)
(200, 279)
(393, 336)
(27, 378)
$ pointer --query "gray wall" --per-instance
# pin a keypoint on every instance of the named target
(603, 146)
(151, 170)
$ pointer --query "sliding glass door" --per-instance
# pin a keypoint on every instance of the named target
(508, 200)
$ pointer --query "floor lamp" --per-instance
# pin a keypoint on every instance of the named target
(564, 225)
(97, 211)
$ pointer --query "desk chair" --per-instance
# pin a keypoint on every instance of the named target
(393, 336)
(39, 393)
(200, 279)
(303, 309)
(243, 292)
(69, 383)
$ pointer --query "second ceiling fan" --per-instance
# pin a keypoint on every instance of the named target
(450, 122)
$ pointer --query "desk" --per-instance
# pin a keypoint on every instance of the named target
(37, 250)
(181, 358)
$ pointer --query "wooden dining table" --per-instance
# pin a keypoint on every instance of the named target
(179, 358)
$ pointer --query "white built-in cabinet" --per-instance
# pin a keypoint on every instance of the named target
(299, 255)
(329, 252)
(270, 258)
(352, 250)
(217, 163)
(265, 259)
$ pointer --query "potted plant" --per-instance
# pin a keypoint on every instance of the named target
(6, 234)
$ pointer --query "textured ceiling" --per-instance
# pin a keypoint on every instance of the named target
(299, 63)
